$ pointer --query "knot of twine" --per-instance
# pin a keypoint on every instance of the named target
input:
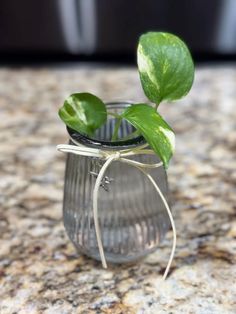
(109, 157)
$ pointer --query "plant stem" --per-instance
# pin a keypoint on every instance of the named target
(131, 135)
(116, 128)
(116, 115)
(156, 105)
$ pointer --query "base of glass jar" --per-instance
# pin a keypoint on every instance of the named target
(118, 257)
(114, 258)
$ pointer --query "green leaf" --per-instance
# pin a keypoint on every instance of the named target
(83, 112)
(165, 66)
(154, 129)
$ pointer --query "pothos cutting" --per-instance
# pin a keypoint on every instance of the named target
(166, 72)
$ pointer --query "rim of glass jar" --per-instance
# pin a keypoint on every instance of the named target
(91, 142)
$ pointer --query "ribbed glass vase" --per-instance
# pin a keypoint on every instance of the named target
(132, 217)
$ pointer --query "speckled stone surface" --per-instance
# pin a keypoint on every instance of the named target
(41, 272)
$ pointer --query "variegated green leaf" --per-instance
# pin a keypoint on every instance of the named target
(154, 129)
(83, 112)
(165, 66)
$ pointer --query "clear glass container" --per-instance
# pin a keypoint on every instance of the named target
(132, 217)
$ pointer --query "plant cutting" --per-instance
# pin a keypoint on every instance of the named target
(128, 133)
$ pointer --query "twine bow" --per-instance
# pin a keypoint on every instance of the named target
(109, 157)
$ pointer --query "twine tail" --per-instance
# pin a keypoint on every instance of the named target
(95, 208)
(171, 221)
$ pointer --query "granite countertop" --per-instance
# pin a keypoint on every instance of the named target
(41, 272)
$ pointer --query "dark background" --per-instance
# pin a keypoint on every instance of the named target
(108, 30)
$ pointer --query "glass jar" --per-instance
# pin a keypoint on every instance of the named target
(131, 215)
